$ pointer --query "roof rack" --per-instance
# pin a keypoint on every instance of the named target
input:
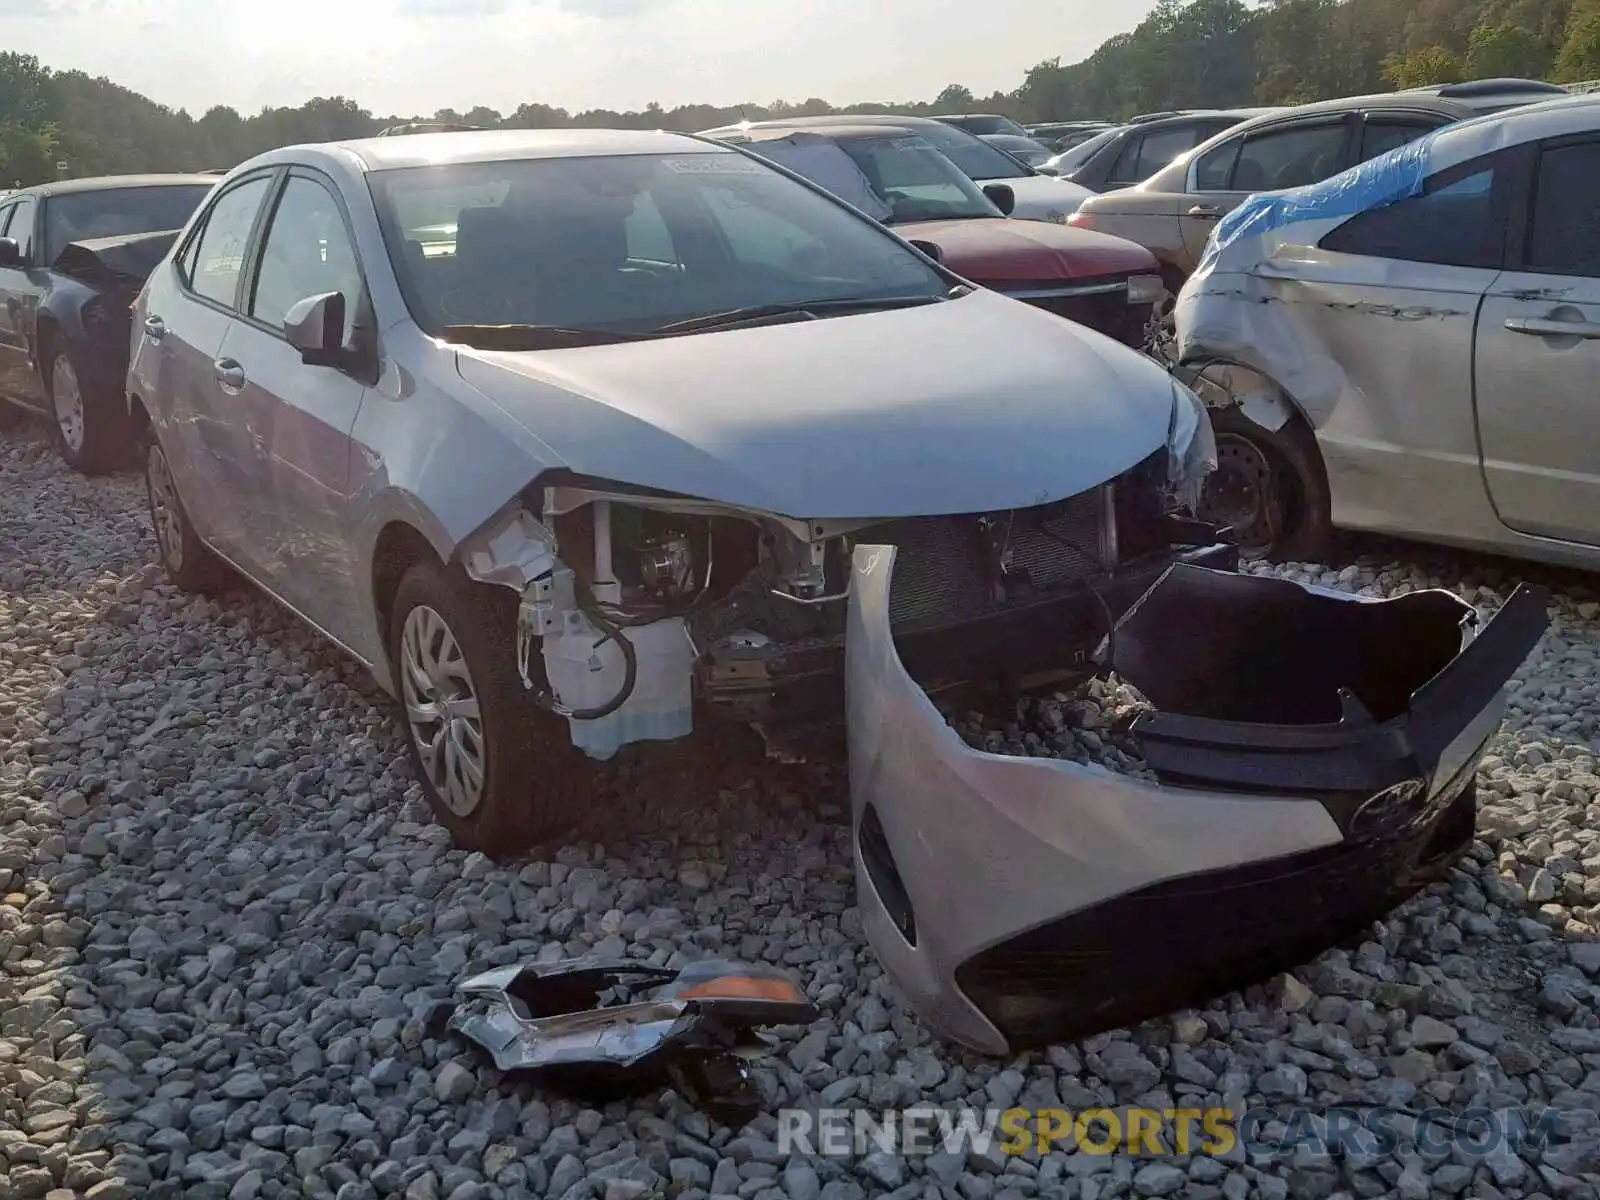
(1491, 87)
(1159, 116)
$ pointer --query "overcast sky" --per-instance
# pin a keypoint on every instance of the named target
(416, 56)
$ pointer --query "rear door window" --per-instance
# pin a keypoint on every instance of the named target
(1291, 157)
(220, 249)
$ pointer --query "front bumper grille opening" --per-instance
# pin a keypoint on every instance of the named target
(943, 572)
(1109, 313)
(885, 876)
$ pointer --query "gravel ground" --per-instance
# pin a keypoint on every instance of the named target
(222, 908)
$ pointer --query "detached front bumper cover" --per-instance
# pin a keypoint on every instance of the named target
(1316, 755)
(604, 1028)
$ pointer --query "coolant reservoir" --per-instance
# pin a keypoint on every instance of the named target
(586, 670)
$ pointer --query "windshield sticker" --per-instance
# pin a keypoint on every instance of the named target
(713, 164)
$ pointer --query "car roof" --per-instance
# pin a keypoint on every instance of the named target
(840, 132)
(107, 183)
(489, 145)
(969, 117)
(812, 122)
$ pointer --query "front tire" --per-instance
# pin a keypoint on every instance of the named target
(499, 773)
(84, 425)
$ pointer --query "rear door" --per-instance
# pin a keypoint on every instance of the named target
(195, 396)
(1537, 362)
(1287, 155)
(20, 287)
(299, 417)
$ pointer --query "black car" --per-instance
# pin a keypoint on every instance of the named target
(1146, 144)
(73, 255)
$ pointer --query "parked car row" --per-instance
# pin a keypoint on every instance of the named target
(1173, 212)
(578, 439)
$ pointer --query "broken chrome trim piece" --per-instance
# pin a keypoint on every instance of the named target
(606, 1023)
(1018, 900)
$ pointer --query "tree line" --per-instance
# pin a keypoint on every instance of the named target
(1185, 54)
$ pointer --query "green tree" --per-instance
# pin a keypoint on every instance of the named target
(1579, 59)
(26, 156)
(1429, 65)
(1494, 51)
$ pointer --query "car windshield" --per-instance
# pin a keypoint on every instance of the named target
(630, 244)
(976, 158)
(117, 212)
(893, 178)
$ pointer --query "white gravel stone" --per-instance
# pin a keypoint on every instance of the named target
(224, 912)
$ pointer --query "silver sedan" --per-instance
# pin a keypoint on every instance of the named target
(562, 433)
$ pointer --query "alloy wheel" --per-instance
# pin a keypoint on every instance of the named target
(67, 400)
(165, 513)
(442, 710)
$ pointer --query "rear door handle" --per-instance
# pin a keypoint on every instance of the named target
(155, 328)
(1548, 327)
(1205, 212)
(229, 374)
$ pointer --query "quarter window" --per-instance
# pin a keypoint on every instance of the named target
(1565, 237)
(219, 252)
(307, 252)
(1452, 224)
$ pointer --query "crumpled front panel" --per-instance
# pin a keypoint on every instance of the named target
(988, 846)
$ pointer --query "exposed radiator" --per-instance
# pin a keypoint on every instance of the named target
(941, 570)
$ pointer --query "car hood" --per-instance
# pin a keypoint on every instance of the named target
(977, 404)
(999, 251)
(1044, 197)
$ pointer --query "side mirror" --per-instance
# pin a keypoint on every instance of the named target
(315, 327)
(931, 249)
(10, 253)
(1002, 195)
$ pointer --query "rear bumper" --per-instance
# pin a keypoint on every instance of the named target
(1020, 901)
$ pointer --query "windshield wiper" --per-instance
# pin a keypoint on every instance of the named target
(803, 310)
(532, 337)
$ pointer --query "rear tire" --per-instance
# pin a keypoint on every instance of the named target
(499, 773)
(89, 428)
(188, 561)
(1271, 487)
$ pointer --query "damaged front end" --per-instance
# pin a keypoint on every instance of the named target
(641, 609)
(603, 1028)
(1315, 757)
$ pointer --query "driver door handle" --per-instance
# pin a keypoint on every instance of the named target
(1549, 327)
(1205, 212)
(229, 374)
(155, 328)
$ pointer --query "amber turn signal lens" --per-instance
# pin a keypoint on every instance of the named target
(740, 987)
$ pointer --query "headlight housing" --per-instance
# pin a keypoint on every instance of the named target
(1191, 447)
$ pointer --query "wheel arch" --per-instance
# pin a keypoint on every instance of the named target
(398, 546)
